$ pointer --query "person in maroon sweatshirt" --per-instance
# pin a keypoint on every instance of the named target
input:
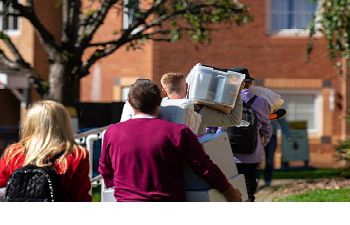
(143, 157)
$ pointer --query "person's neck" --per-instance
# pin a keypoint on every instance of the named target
(145, 115)
(175, 96)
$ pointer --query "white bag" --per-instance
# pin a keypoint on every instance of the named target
(275, 100)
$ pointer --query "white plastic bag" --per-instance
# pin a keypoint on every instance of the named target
(275, 100)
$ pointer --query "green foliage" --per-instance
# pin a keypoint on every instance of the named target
(199, 16)
(334, 20)
(322, 195)
(343, 153)
(3, 35)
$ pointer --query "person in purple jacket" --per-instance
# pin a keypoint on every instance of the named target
(143, 157)
(247, 164)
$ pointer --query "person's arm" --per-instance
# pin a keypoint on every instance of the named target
(262, 110)
(201, 164)
(80, 190)
(105, 164)
(214, 118)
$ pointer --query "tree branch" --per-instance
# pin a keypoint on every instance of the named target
(35, 79)
(45, 37)
(71, 11)
(92, 23)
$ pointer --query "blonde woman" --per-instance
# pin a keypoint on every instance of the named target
(46, 133)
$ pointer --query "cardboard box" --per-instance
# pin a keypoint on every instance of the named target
(218, 148)
(213, 195)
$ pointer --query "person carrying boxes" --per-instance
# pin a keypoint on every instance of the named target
(248, 154)
(143, 156)
(175, 87)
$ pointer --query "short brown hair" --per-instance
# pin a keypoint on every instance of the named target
(172, 81)
(144, 96)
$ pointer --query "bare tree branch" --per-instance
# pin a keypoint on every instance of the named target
(35, 79)
(71, 11)
(92, 23)
(45, 37)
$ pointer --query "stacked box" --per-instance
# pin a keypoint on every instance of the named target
(218, 148)
(213, 195)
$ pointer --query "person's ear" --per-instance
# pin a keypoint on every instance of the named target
(164, 92)
(187, 89)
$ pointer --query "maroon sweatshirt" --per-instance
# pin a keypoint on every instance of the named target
(143, 159)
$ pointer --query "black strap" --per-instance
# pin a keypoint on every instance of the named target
(197, 108)
(250, 102)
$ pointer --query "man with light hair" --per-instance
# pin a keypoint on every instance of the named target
(175, 87)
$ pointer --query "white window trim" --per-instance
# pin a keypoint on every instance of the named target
(285, 32)
(318, 107)
(12, 32)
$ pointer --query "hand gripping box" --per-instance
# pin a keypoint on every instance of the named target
(218, 148)
(214, 87)
(213, 195)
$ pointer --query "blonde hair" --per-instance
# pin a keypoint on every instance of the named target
(172, 82)
(46, 132)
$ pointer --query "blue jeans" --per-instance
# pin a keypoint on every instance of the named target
(270, 149)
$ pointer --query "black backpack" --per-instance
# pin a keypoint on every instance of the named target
(243, 138)
(33, 184)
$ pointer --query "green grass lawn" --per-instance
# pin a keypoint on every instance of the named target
(96, 194)
(322, 195)
(307, 174)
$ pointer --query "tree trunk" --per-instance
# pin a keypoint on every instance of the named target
(64, 86)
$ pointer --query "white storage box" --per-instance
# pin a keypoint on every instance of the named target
(218, 148)
(212, 86)
(213, 195)
(180, 111)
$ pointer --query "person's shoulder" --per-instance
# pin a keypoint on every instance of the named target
(170, 125)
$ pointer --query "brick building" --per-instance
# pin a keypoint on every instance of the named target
(273, 47)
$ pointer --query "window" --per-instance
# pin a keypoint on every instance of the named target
(130, 6)
(125, 93)
(9, 23)
(291, 15)
(304, 105)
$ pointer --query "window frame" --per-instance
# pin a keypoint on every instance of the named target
(11, 32)
(284, 32)
(318, 107)
(126, 14)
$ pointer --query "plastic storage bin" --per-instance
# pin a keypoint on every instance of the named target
(214, 87)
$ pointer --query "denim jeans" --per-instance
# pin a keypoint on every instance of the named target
(270, 149)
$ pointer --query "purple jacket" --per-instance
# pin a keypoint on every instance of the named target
(262, 110)
(143, 159)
